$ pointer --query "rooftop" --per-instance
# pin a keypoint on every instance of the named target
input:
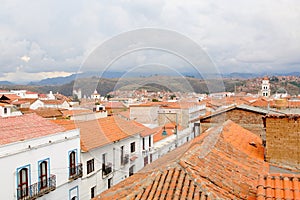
(20, 128)
(222, 163)
(103, 131)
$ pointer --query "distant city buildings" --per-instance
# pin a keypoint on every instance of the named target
(91, 147)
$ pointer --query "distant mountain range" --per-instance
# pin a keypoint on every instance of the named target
(6, 83)
(68, 79)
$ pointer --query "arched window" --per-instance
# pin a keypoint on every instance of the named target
(43, 174)
(23, 182)
(5, 110)
(72, 164)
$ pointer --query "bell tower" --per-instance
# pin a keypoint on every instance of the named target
(265, 87)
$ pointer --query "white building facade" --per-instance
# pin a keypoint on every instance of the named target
(40, 166)
(106, 166)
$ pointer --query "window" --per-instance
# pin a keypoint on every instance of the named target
(131, 170)
(90, 166)
(104, 158)
(149, 140)
(5, 110)
(93, 191)
(109, 183)
(23, 183)
(146, 161)
(143, 143)
(43, 174)
(132, 147)
(122, 155)
(72, 163)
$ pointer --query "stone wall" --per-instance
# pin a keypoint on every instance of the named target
(251, 121)
(283, 140)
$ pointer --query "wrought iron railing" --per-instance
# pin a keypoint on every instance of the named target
(125, 159)
(106, 169)
(37, 189)
(75, 172)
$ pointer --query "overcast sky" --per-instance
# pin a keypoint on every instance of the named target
(40, 39)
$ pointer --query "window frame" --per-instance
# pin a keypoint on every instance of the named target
(132, 147)
(43, 174)
(72, 162)
(93, 190)
(19, 179)
(90, 166)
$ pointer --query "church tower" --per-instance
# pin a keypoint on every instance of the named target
(265, 87)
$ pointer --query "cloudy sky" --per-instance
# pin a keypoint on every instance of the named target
(40, 39)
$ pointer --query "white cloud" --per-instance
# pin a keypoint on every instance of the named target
(25, 58)
(57, 36)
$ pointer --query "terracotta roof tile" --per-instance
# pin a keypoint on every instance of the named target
(278, 186)
(169, 130)
(67, 113)
(170, 184)
(48, 112)
(19, 128)
(103, 131)
(212, 166)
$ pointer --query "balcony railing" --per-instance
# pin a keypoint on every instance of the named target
(106, 169)
(75, 172)
(125, 159)
(37, 189)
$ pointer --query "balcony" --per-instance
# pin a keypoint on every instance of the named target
(125, 159)
(106, 169)
(75, 172)
(36, 190)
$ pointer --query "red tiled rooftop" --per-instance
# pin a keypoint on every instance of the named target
(172, 183)
(112, 105)
(215, 163)
(48, 112)
(97, 133)
(169, 130)
(20, 128)
(30, 92)
(67, 113)
(53, 102)
(278, 186)
(146, 131)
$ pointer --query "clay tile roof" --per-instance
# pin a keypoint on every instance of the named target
(146, 131)
(278, 186)
(11, 97)
(169, 128)
(222, 163)
(48, 112)
(113, 104)
(53, 102)
(67, 113)
(67, 124)
(19, 128)
(30, 92)
(125, 114)
(262, 102)
(97, 133)
(170, 184)
(31, 101)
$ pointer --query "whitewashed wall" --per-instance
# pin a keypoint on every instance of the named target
(55, 147)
